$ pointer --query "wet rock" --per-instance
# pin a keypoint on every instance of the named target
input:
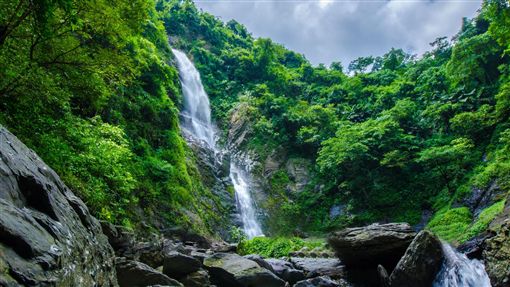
(199, 278)
(496, 255)
(47, 235)
(481, 198)
(228, 270)
(313, 267)
(136, 274)
(420, 263)
(260, 261)
(286, 271)
(177, 265)
(371, 245)
(473, 248)
(323, 281)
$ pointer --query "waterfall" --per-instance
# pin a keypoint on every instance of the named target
(460, 271)
(196, 112)
(244, 202)
(196, 121)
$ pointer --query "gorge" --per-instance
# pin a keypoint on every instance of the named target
(147, 143)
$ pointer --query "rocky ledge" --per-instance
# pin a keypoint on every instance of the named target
(371, 245)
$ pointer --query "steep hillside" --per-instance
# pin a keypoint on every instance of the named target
(91, 87)
(395, 137)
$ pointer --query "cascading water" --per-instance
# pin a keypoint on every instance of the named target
(196, 121)
(196, 112)
(244, 202)
(460, 271)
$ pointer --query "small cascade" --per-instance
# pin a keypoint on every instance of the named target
(244, 202)
(196, 122)
(460, 271)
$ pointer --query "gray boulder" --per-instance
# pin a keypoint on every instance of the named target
(232, 270)
(199, 278)
(177, 265)
(421, 262)
(323, 281)
(313, 267)
(137, 274)
(47, 235)
(371, 245)
(260, 261)
(286, 270)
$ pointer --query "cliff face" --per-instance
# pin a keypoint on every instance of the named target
(47, 235)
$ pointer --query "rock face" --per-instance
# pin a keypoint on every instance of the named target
(232, 270)
(372, 245)
(497, 256)
(420, 264)
(137, 274)
(47, 235)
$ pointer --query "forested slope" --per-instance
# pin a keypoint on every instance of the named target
(389, 136)
(91, 87)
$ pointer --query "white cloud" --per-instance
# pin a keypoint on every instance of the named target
(332, 30)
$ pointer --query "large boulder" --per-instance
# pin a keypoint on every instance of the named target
(313, 267)
(178, 265)
(232, 270)
(420, 264)
(285, 270)
(372, 245)
(260, 261)
(136, 274)
(47, 235)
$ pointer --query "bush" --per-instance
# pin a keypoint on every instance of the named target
(275, 247)
(451, 224)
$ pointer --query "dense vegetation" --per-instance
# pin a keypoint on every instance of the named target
(89, 85)
(390, 136)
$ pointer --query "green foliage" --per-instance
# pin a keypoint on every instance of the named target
(482, 221)
(451, 224)
(276, 247)
(89, 86)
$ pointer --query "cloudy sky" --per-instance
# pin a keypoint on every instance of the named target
(342, 30)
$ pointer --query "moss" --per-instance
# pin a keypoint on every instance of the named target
(483, 220)
(451, 224)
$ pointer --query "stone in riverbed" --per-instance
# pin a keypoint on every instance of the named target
(232, 270)
(372, 245)
(313, 267)
(260, 261)
(137, 274)
(323, 281)
(177, 265)
(420, 264)
(199, 278)
(286, 271)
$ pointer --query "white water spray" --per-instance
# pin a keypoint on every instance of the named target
(460, 271)
(196, 121)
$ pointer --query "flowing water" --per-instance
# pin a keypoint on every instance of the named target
(460, 271)
(196, 121)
